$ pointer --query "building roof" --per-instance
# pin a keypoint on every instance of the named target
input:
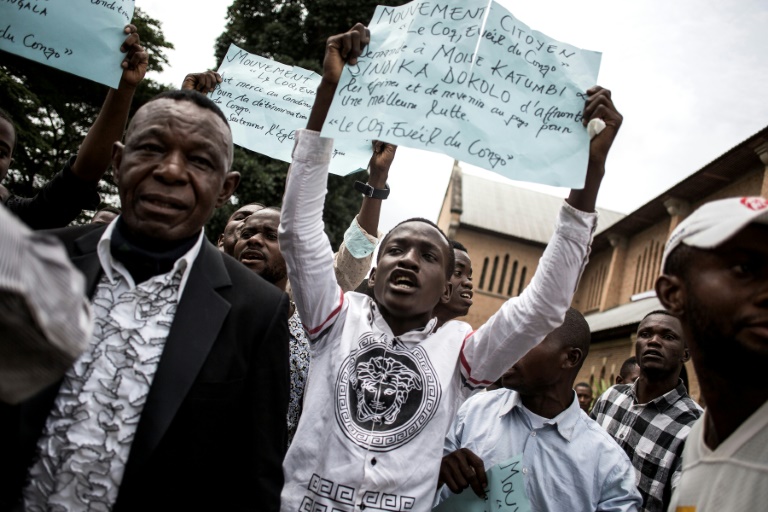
(622, 316)
(729, 167)
(515, 211)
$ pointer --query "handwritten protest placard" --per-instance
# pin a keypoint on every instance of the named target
(266, 102)
(81, 37)
(470, 80)
(505, 492)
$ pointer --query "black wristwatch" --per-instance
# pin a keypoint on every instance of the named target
(369, 191)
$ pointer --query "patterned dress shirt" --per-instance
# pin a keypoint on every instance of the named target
(653, 435)
(299, 347)
(88, 434)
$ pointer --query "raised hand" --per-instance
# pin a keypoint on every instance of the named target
(381, 160)
(599, 105)
(344, 48)
(339, 50)
(204, 82)
(136, 58)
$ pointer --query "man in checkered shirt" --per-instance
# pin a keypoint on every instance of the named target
(651, 418)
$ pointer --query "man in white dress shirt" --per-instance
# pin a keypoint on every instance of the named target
(569, 462)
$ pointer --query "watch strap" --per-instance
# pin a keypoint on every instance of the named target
(374, 193)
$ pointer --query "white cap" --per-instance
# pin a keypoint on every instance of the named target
(714, 223)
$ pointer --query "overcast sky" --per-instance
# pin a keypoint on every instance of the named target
(689, 76)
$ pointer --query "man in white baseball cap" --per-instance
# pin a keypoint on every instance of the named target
(715, 279)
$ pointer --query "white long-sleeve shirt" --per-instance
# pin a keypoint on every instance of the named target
(378, 406)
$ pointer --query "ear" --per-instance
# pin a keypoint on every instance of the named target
(220, 241)
(231, 181)
(117, 159)
(686, 355)
(671, 293)
(372, 277)
(445, 298)
(573, 357)
(619, 380)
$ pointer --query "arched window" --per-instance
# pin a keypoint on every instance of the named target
(511, 287)
(503, 273)
(493, 273)
(522, 281)
(482, 274)
(637, 275)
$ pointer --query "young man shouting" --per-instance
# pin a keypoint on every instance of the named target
(384, 385)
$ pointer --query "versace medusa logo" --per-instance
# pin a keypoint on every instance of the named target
(385, 396)
(382, 385)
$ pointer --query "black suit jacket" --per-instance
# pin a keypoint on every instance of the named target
(212, 434)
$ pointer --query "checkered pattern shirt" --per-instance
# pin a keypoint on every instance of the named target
(652, 434)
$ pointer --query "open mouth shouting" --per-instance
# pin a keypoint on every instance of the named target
(252, 257)
(404, 280)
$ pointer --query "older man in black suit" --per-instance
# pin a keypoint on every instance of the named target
(180, 401)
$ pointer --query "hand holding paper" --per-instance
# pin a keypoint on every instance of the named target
(95, 153)
(136, 59)
(339, 50)
(342, 49)
(469, 80)
(77, 36)
(599, 105)
(461, 469)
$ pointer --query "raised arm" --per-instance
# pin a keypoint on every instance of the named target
(303, 241)
(75, 188)
(95, 154)
(353, 261)
(598, 106)
(381, 161)
(522, 322)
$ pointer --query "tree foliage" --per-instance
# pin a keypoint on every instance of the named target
(292, 32)
(53, 110)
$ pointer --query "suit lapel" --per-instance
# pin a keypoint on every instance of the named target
(198, 320)
(86, 259)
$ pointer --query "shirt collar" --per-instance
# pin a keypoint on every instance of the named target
(113, 268)
(408, 338)
(564, 423)
(664, 401)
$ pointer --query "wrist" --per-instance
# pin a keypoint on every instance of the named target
(377, 181)
(125, 87)
(327, 86)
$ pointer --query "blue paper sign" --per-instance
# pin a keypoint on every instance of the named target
(470, 80)
(505, 492)
(266, 102)
(82, 37)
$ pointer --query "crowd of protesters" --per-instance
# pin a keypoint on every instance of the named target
(144, 368)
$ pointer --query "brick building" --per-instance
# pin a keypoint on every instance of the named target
(505, 228)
